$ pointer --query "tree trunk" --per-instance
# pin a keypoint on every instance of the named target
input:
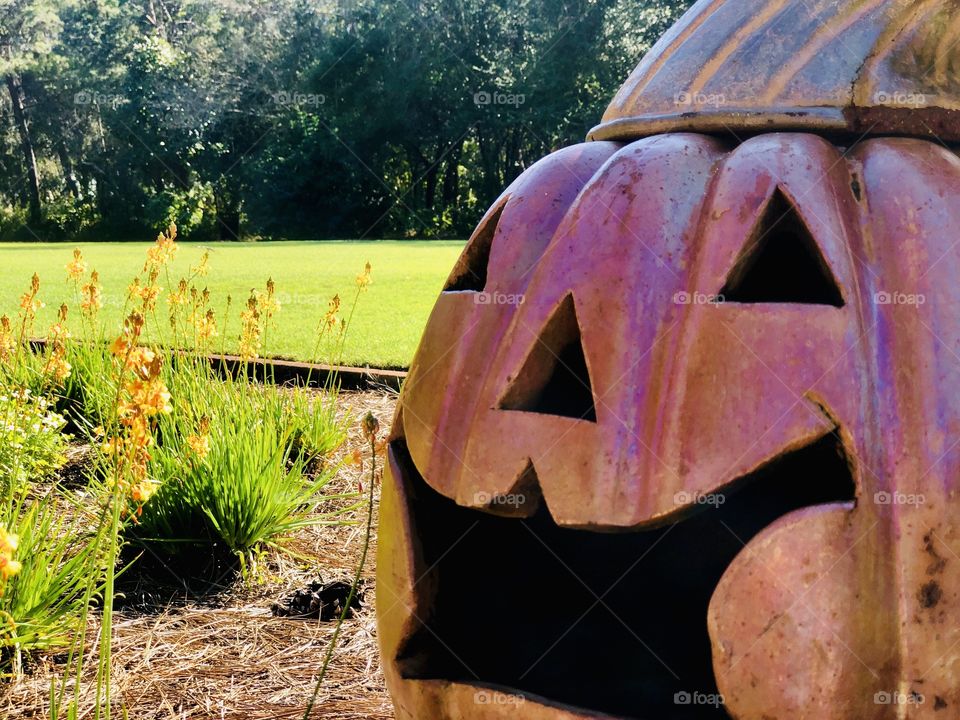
(228, 209)
(451, 178)
(69, 175)
(490, 183)
(15, 86)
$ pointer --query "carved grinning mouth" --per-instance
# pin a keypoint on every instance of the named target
(612, 623)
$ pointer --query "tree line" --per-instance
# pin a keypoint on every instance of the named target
(294, 118)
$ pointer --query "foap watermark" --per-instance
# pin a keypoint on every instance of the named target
(482, 98)
(698, 698)
(697, 498)
(896, 98)
(493, 697)
(87, 97)
(898, 498)
(899, 298)
(310, 300)
(285, 98)
(898, 698)
(498, 298)
(511, 500)
(699, 99)
(683, 297)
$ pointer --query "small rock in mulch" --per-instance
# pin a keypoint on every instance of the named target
(320, 600)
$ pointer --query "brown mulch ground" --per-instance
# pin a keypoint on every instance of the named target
(228, 656)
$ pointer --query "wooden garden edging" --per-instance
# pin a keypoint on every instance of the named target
(291, 372)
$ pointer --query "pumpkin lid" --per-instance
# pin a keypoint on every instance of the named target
(862, 67)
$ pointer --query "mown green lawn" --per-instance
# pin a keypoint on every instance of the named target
(390, 316)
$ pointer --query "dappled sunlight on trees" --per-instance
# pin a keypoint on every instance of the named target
(289, 118)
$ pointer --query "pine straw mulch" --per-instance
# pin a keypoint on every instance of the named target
(224, 654)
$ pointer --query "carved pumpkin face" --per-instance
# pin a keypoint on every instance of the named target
(625, 492)
(682, 437)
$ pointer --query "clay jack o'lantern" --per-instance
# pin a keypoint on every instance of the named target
(715, 450)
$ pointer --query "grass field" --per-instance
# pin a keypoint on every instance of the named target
(407, 276)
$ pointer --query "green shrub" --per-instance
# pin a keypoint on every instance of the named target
(32, 443)
(316, 429)
(88, 397)
(60, 564)
(12, 221)
(232, 466)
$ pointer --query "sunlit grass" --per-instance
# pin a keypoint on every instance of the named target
(407, 276)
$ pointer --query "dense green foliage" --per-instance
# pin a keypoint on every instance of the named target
(294, 118)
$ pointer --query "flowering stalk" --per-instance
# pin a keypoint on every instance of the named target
(371, 427)
(141, 397)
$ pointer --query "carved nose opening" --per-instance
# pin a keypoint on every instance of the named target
(554, 379)
(608, 622)
(781, 263)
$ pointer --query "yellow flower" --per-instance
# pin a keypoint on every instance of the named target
(201, 269)
(29, 303)
(8, 545)
(133, 289)
(268, 304)
(59, 368)
(250, 328)
(164, 250)
(142, 491)
(200, 445)
(149, 397)
(7, 342)
(363, 279)
(134, 322)
(118, 348)
(8, 542)
(142, 358)
(329, 322)
(149, 295)
(91, 295)
(9, 568)
(179, 296)
(205, 326)
(76, 267)
(112, 447)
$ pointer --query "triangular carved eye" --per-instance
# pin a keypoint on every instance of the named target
(470, 272)
(554, 378)
(781, 263)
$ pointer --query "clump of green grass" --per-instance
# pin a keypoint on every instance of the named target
(58, 562)
(237, 465)
(32, 441)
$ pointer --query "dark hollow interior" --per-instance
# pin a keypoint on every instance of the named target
(568, 392)
(471, 270)
(555, 379)
(782, 263)
(512, 608)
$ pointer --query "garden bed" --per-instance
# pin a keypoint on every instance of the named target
(226, 654)
(177, 541)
